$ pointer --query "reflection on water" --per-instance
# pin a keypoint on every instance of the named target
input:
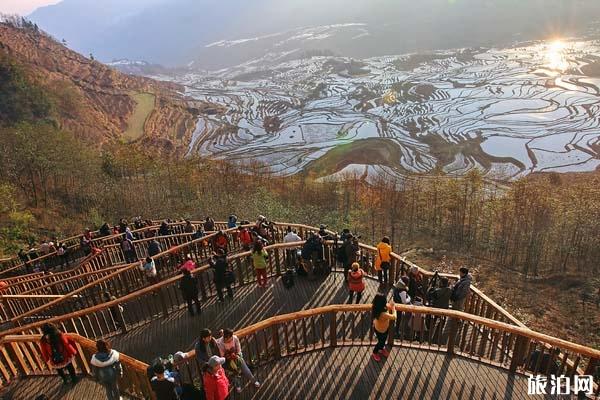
(508, 112)
(556, 57)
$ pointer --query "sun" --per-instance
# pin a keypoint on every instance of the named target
(555, 56)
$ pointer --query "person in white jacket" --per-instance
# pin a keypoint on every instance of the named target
(107, 369)
(291, 254)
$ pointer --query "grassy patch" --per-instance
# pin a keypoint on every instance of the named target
(372, 151)
(145, 105)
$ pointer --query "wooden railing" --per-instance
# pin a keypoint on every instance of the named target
(512, 348)
(12, 266)
(21, 356)
(118, 281)
(109, 256)
(159, 300)
(124, 280)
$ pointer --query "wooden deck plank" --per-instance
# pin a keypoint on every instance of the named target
(251, 304)
(349, 373)
(31, 387)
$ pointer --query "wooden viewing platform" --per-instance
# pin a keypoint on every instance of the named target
(316, 350)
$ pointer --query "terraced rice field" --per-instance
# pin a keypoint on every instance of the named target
(508, 112)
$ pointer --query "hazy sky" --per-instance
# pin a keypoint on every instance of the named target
(23, 7)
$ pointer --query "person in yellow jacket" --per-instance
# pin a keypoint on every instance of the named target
(382, 313)
(383, 260)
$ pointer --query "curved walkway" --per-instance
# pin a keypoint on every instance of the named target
(250, 304)
(29, 388)
(349, 373)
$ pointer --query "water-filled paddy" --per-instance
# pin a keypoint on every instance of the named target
(509, 112)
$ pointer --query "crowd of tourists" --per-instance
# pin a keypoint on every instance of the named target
(221, 360)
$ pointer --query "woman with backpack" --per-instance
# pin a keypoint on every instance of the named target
(382, 313)
(107, 369)
(259, 261)
(383, 260)
(58, 351)
(356, 283)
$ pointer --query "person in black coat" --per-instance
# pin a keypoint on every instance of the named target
(222, 276)
(153, 248)
(105, 230)
(440, 297)
(206, 347)
(164, 229)
(189, 289)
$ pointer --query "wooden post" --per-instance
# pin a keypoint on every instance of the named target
(391, 333)
(277, 262)
(452, 324)
(521, 344)
(276, 346)
(202, 284)
(7, 314)
(333, 329)
(163, 303)
(591, 367)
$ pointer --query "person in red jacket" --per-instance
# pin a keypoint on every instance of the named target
(58, 351)
(220, 242)
(216, 384)
(356, 283)
(245, 238)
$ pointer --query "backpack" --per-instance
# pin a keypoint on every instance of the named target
(108, 374)
(288, 279)
(57, 356)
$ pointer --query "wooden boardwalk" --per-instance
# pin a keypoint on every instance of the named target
(332, 373)
(31, 387)
(250, 304)
(350, 373)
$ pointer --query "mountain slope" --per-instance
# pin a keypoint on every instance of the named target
(176, 32)
(97, 103)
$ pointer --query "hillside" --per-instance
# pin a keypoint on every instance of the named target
(97, 103)
(216, 34)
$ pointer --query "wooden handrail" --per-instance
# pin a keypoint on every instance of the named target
(20, 351)
(125, 268)
(119, 271)
(500, 344)
(36, 296)
(83, 341)
(124, 299)
(95, 240)
(166, 283)
(526, 332)
(70, 278)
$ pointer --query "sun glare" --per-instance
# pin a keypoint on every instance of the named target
(555, 56)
